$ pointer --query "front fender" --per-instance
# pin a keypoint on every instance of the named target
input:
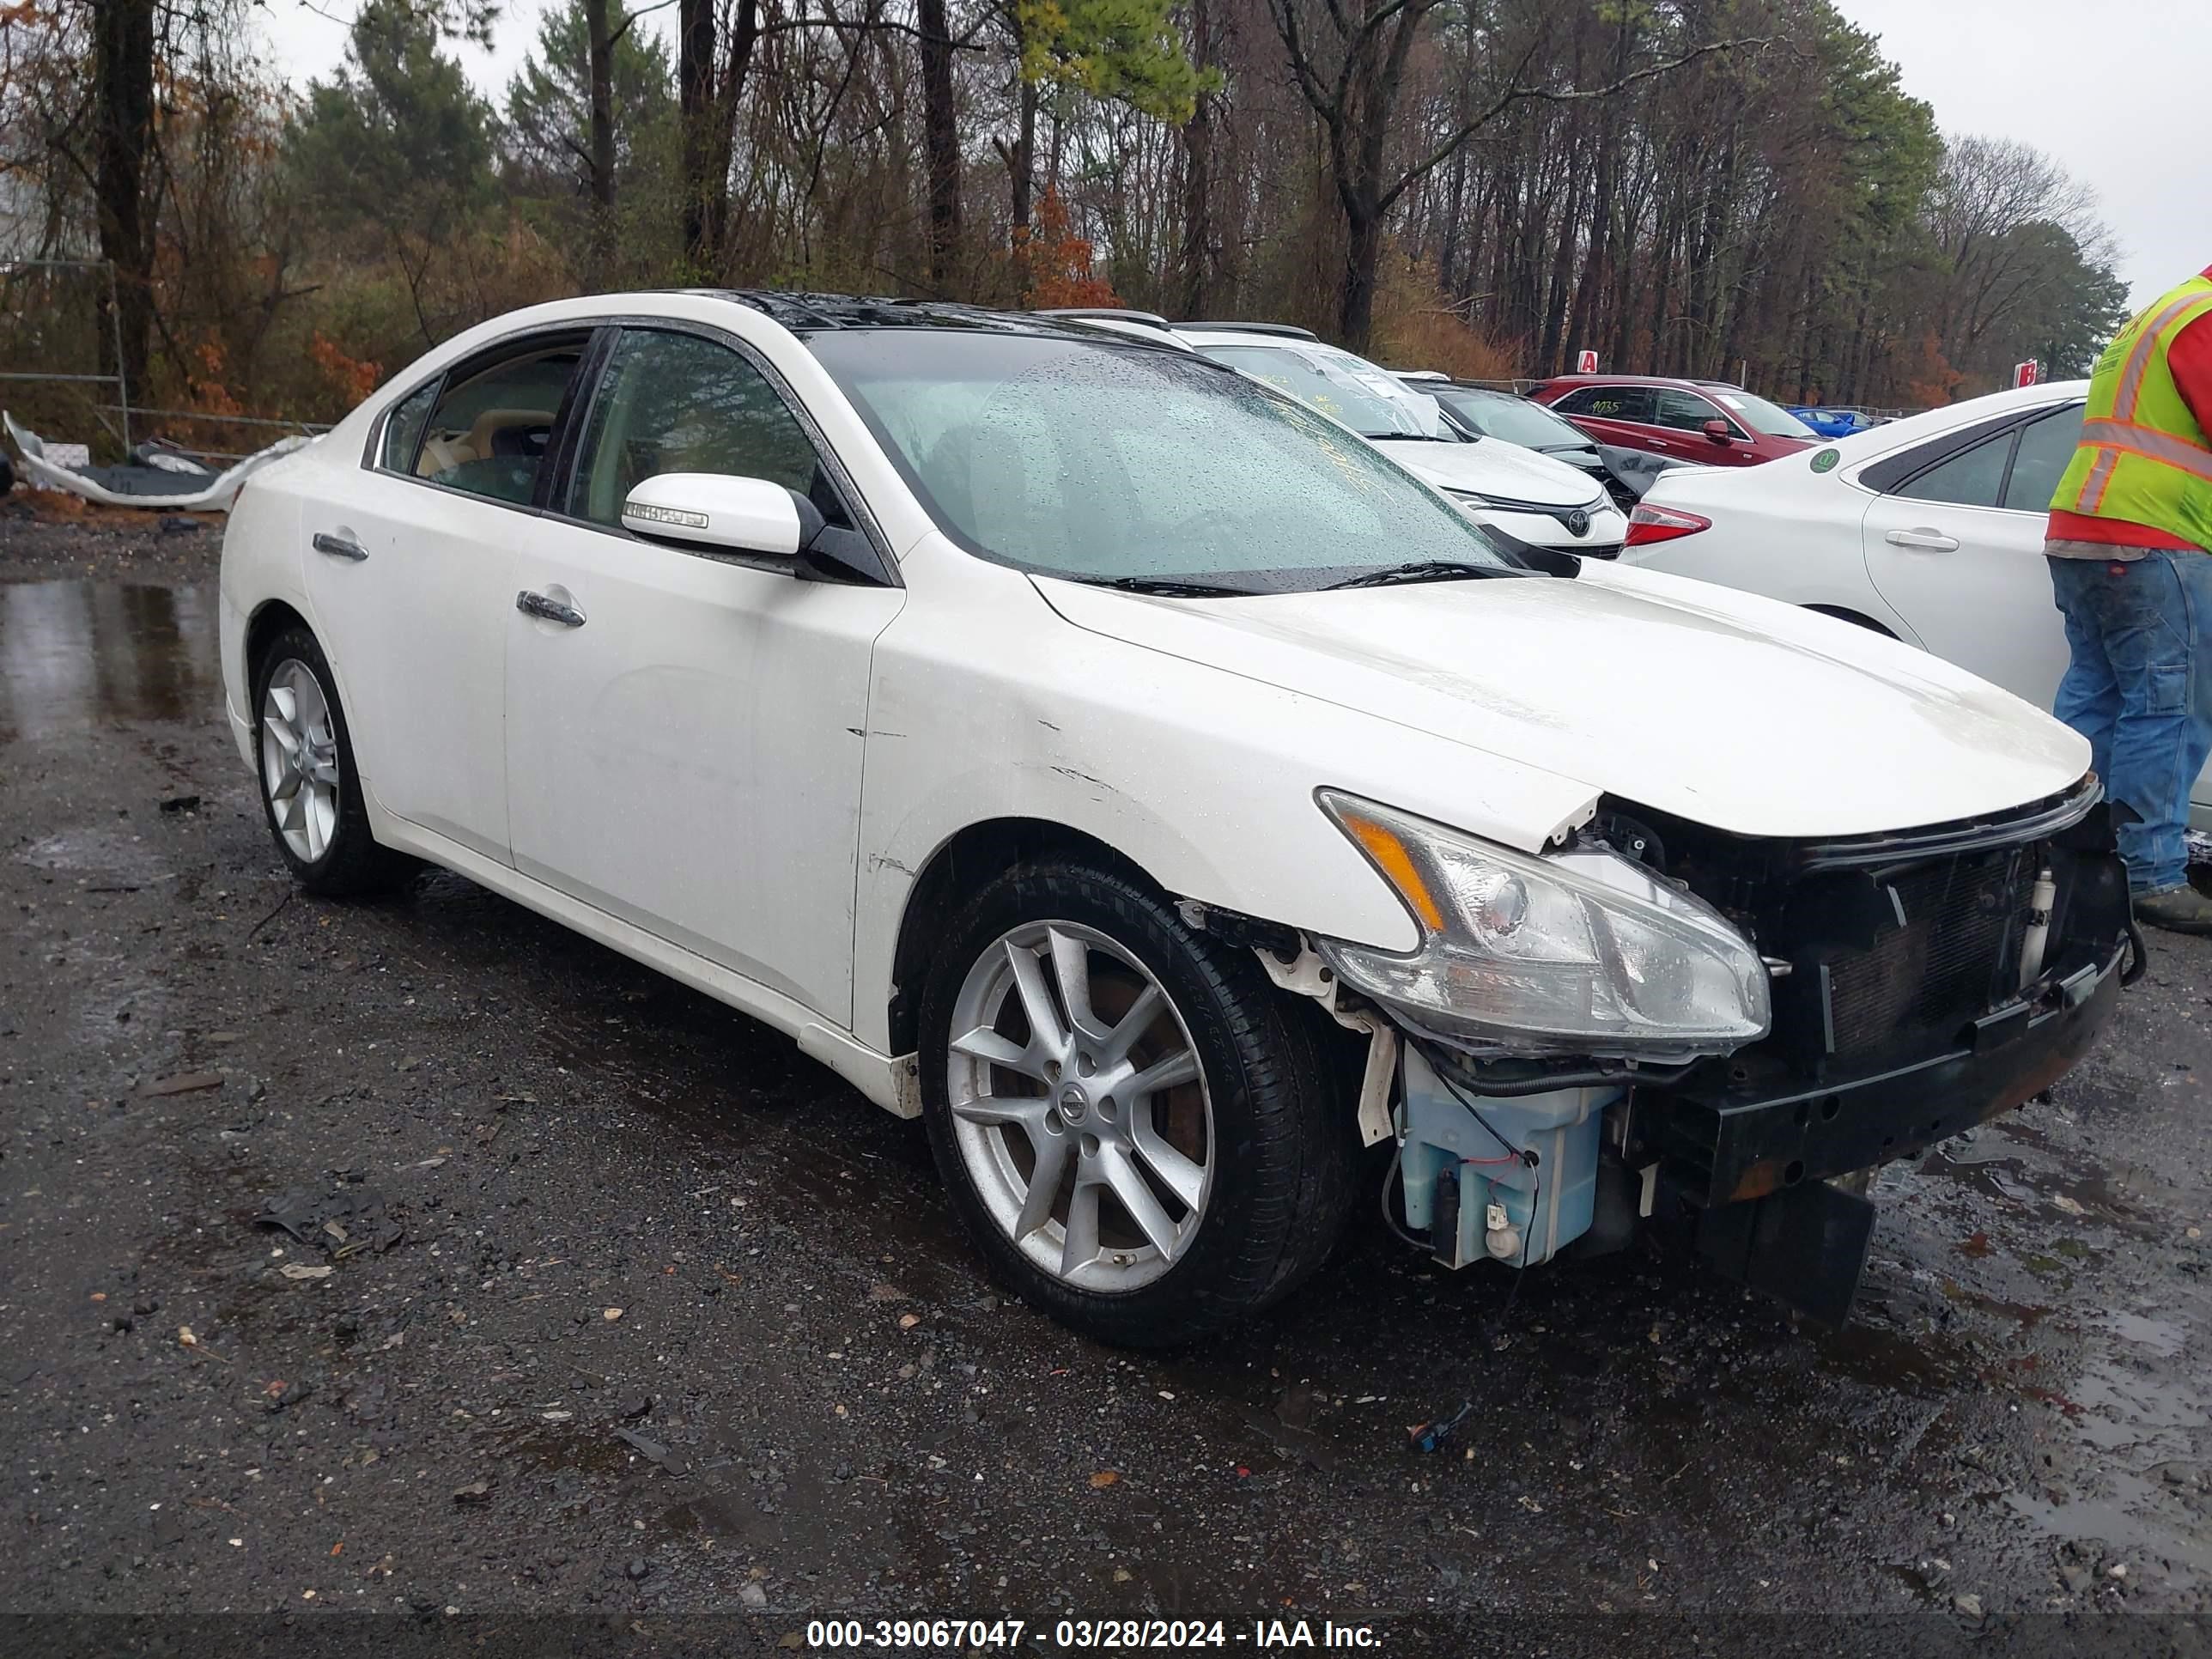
(988, 705)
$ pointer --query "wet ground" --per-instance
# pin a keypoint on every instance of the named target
(630, 1311)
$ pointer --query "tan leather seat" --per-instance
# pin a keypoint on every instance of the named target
(493, 421)
(440, 454)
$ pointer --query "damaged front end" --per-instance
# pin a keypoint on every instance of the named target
(1559, 1083)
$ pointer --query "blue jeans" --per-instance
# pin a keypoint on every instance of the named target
(2140, 689)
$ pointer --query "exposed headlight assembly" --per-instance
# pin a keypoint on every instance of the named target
(1582, 953)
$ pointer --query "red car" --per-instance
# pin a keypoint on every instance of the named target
(1708, 422)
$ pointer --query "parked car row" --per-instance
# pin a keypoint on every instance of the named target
(1485, 411)
(1517, 491)
(1708, 422)
(1142, 755)
(1827, 422)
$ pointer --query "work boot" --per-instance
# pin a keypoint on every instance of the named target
(2180, 909)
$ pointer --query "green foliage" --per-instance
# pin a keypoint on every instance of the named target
(2079, 305)
(397, 140)
(1888, 146)
(1126, 50)
(548, 103)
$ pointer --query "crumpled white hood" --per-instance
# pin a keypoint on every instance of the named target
(1494, 467)
(1731, 710)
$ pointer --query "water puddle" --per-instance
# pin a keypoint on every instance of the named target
(75, 654)
(2018, 1167)
(2025, 1315)
(2162, 1337)
(107, 861)
(590, 1449)
(2137, 1421)
(2119, 1522)
(1923, 1365)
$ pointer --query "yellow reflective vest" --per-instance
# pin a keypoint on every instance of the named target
(2143, 457)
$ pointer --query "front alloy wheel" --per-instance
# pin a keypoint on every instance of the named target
(1142, 1134)
(1079, 1109)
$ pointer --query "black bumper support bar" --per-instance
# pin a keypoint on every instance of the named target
(1721, 1146)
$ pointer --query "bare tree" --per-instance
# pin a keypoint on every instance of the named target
(122, 49)
(1351, 65)
(941, 137)
(1990, 191)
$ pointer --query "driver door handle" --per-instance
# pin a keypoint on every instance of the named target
(537, 604)
(1927, 540)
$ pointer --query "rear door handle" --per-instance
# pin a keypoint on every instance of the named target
(338, 547)
(537, 604)
(1928, 541)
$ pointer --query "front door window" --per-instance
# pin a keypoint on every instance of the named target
(671, 401)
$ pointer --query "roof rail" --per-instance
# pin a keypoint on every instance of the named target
(1287, 329)
(1119, 313)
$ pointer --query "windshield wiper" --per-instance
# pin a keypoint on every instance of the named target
(1428, 570)
(1410, 438)
(1170, 587)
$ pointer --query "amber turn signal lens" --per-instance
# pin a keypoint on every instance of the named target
(1391, 857)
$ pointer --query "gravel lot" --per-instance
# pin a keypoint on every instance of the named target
(631, 1313)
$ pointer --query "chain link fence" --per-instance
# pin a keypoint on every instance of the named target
(53, 364)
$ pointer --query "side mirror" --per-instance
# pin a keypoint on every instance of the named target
(713, 510)
(1718, 430)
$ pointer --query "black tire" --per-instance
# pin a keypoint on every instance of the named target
(1282, 1144)
(353, 865)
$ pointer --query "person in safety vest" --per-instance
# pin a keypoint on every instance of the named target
(2130, 552)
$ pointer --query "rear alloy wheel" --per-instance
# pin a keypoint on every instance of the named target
(299, 760)
(1133, 1121)
(309, 787)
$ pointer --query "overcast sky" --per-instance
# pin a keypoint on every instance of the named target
(2118, 90)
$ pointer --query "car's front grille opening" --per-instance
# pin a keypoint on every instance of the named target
(1933, 976)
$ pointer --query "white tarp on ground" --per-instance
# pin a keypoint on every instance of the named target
(169, 485)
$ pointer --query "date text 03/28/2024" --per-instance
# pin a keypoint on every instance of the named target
(1261, 1636)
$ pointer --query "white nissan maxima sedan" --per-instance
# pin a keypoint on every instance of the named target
(1164, 795)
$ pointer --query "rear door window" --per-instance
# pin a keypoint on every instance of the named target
(1886, 475)
(2046, 446)
(403, 429)
(1610, 403)
(1972, 477)
(488, 434)
(1686, 411)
